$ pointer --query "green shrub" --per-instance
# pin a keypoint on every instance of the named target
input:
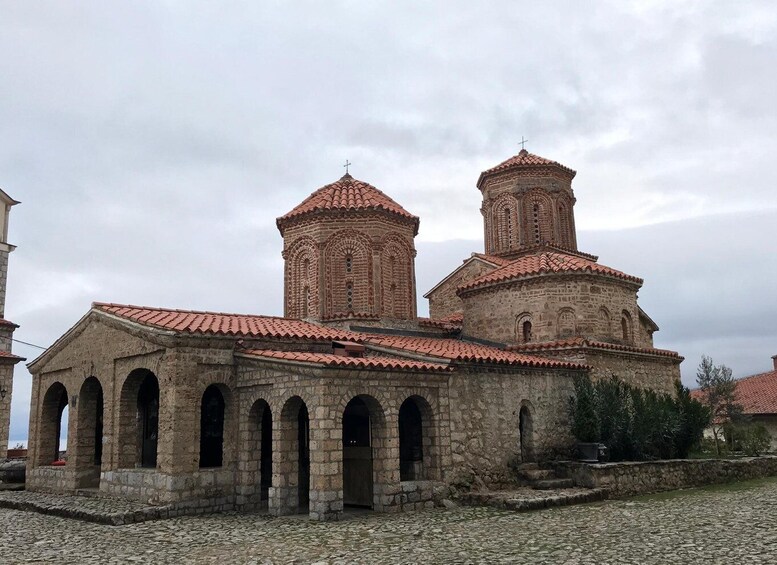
(754, 440)
(634, 423)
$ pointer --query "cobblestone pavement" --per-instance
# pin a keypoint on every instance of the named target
(733, 524)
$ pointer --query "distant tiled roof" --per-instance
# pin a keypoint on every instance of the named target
(576, 342)
(451, 322)
(457, 350)
(524, 159)
(331, 360)
(217, 323)
(547, 262)
(757, 394)
(347, 193)
(494, 259)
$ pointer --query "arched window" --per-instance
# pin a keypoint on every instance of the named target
(348, 264)
(603, 323)
(523, 328)
(566, 323)
(349, 296)
(626, 327)
(536, 221)
(212, 428)
(306, 302)
(411, 446)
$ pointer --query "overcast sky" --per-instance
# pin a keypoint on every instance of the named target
(153, 144)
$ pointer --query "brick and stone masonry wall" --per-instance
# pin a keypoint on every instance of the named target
(493, 313)
(485, 413)
(444, 301)
(645, 477)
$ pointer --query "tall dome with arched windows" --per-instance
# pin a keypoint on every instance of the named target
(527, 202)
(349, 254)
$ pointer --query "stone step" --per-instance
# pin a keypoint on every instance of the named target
(523, 502)
(537, 474)
(549, 484)
(527, 467)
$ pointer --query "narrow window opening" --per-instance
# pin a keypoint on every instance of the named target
(526, 331)
(348, 264)
(349, 296)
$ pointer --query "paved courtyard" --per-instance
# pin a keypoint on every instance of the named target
(719, 525)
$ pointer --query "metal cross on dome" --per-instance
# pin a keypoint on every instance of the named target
(523, 142)
(347, 164)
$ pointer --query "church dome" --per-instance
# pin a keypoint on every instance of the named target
(529, 163)
(345, 195)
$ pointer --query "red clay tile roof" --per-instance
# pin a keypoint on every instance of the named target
(463, 351)
(757, 393)
(577, 342)
(6, 355)
(547, 262)
(347, 193)
(524, 159)
(331, 360)
(217, 323)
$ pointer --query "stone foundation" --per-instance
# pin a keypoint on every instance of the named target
(645, 477)
(207, 488)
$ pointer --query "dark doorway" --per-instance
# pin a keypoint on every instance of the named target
(525, 429)
(265, 460)
(303, 442)
(148, 410)
(411, 442)
(212, 428)
(357, 454)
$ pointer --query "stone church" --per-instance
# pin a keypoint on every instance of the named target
(350, 399)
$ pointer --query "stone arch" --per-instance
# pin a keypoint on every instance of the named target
(418, 440)
(50, 426)
(348, 274)
(397, 274)
(88, 452)
(566, 323)
(538, 218)
(290, 491)
(523, 327)
(138, 421)
(302, 279)
(603, 328)
(627, 328)
(506, 223)
(367, 460)
(526, 431)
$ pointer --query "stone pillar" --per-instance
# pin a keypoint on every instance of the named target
(284, 492)
(385, 460)
(326, 466)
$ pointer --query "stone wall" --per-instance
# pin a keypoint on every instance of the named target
(644, 477)
(443, 300)
(557, 307)
(485, 418)
(655, 371)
